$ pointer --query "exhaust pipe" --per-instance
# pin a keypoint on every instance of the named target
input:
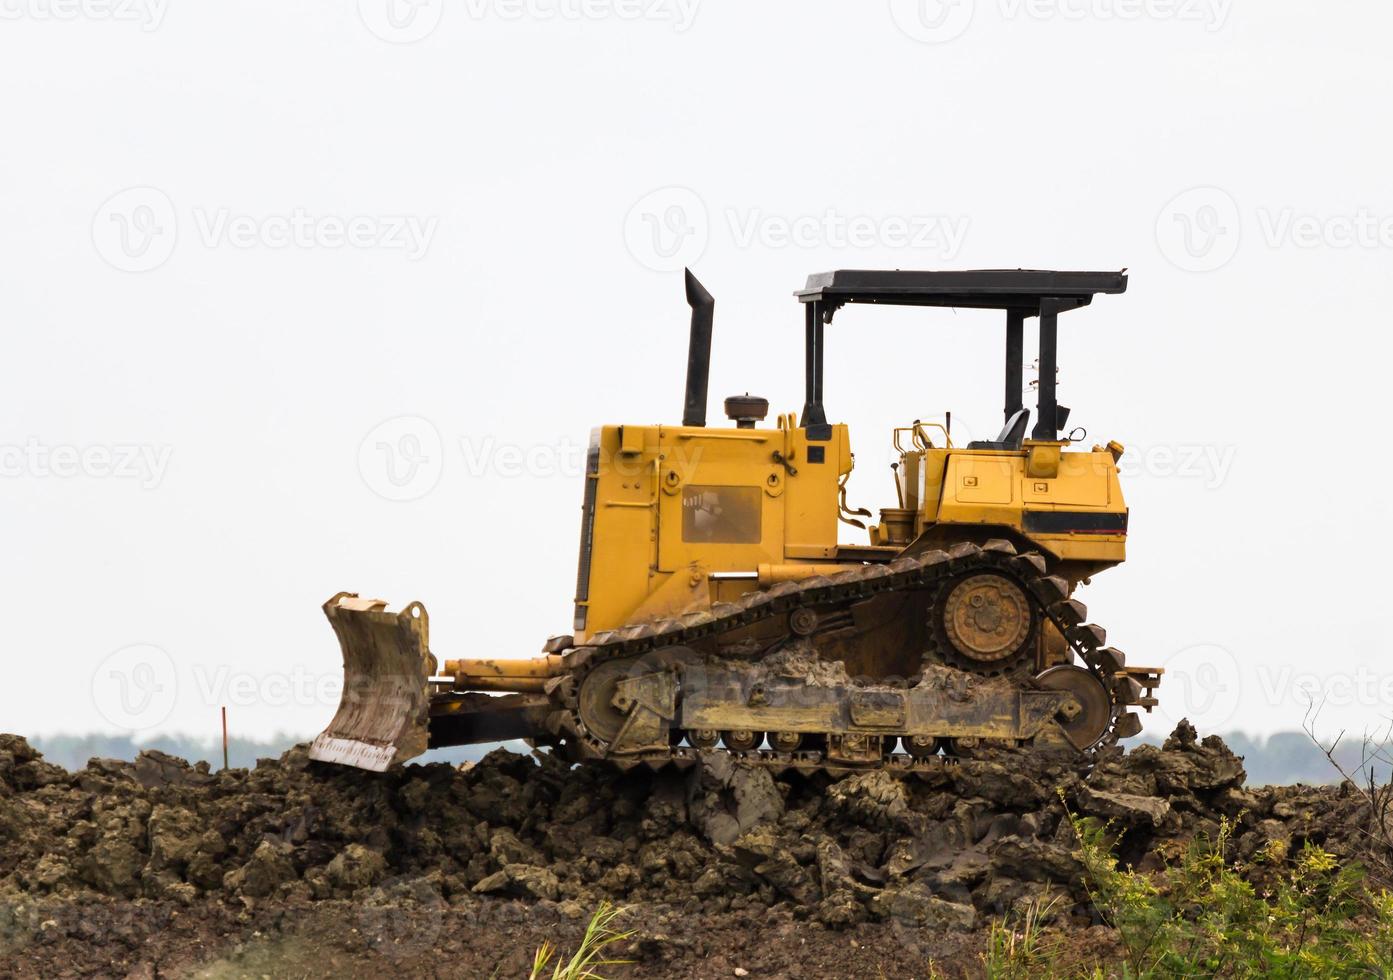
(699, 352)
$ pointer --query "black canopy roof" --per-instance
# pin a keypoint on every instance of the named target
(992, 289)
(1022, 293)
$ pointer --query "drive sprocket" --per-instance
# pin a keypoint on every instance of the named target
(984, 623)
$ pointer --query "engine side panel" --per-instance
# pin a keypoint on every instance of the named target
(1069, 504)
(668, 506)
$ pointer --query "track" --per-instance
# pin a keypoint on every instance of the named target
(928, 570)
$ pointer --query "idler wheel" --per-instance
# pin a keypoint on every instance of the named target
(1088, 726)
(595, 701)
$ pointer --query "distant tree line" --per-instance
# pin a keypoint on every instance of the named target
(72, 751)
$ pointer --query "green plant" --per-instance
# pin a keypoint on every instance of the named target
(590, 955)
(1020, 953)
(1202, 917)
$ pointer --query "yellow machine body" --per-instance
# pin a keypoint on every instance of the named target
(673, 513)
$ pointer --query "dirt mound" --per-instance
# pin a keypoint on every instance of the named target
(947, 850)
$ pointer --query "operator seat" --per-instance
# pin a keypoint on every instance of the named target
(1011, 436)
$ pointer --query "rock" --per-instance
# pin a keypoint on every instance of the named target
(268, 868)
(508, 763)
(712, 881)
(521, 880)
(915, 906)
(727, 798)
(415, 796)
(22, 768)
(764, 854)
(52, 873)
(1003, 784)
(1184, 737)
(957, 881)
(1127, 808)
(1002, 893)
(840, 909)
(844, 898)
(174, 837)
(113, 867)
(874, 799)
(935, 847)
(506, 848)
(356, 867)
(205, 866)
(620, 879)
(153, 768)
(1035, 860)
(666, 809)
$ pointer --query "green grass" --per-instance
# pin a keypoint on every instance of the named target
(590, 955)
(1202, 916)
(1018, 948)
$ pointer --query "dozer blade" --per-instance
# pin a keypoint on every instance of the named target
(384, 713)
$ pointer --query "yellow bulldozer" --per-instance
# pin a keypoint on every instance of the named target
(716, 608)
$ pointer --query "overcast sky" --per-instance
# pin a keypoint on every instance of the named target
(308, 297)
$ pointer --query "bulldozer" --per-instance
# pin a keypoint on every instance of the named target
(717, 609)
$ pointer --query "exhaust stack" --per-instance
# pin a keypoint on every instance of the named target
(699, 352)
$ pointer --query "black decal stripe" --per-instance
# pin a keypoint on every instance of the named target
(1074, 521)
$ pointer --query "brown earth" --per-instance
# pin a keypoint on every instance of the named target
(156, 868)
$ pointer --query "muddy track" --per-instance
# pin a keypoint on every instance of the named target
(928, 570)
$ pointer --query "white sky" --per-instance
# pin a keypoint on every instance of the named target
(527, 299)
